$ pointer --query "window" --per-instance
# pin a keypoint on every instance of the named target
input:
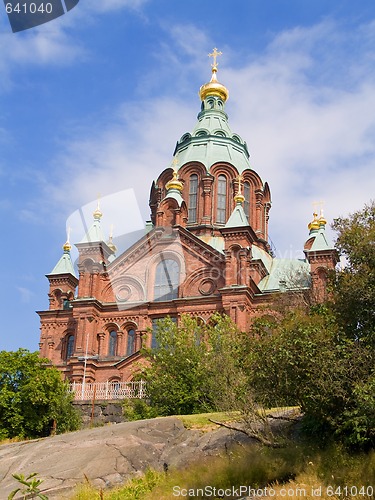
(193, 191)
(155, 322)
(70, 346)
(166, 280)
(246, 193)
(112, 343)
(130, 348)
(221, 199)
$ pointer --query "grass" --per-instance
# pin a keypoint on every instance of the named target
(296, 471)
(202, 421)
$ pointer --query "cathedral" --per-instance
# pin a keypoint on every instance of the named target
(205, 250)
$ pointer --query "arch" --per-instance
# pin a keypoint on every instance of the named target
(220, 133)
(130, 342)
(167, 280)
(193, 198)
(112, 344)
(173, 254)
(201, 133)
(185, 137)
(221, 199)
(69, 339)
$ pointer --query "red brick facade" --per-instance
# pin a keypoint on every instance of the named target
(197, 259)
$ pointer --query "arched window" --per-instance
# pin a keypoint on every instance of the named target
(166, 280)
(193, 198)
(221, 199)
(246, 193)
(130, 348)
(112, 343)
(69, 346)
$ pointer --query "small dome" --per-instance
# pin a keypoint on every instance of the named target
(214, 88)
(314, 224)
(67, 246)
(174, 183)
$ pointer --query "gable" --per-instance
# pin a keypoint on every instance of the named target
(131, 278)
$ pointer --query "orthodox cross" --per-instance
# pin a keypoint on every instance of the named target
(318, 205)
(214, 54)
(175, 163)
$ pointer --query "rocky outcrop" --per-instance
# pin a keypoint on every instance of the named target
(110, 455)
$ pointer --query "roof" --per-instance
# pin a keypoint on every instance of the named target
(238, 217)
(212, 140)
(321, 241)
(286, 274)
(94, 234)
(64, 265)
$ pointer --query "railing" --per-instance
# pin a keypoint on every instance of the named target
(108, 390)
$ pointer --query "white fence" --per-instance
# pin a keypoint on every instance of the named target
(108, 390)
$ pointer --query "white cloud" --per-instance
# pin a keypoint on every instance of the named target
(305, 107)
(47, 44)
(110, 5)
(25, 294)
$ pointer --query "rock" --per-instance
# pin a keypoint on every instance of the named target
(110, 455)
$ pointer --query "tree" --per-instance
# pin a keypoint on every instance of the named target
(354, 286)
(33, 398)
(195, 365)
(304, 359)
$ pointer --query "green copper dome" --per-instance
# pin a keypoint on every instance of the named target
(212, 140)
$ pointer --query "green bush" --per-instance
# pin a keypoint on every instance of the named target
(34, 401)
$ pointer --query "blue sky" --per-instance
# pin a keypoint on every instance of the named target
(95, 101)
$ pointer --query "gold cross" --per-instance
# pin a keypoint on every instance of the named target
(318, 205)
(175, 163)
(214, 54)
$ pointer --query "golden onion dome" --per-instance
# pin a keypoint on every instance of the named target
(97, 213)
(314, 224)
(174, 183)
(213, 87)
(111, 245)
(67, 246)
(239, 198)
(322, 219)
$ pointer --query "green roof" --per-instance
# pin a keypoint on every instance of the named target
(94, 234)
(321, 241)
(238, 217)
(212, 140)
(64, 265)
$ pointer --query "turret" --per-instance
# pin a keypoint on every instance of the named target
(320, 254)
(94, 255)
(62, 281)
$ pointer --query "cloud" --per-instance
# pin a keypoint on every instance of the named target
(304, 106)
(48, 44)
(111, 5)
(25, 294)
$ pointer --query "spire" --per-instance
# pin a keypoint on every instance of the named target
(239, 198)
(174, 183)
(212, 140)
(110, 243)
(314, 225)
(238, 217)
(213, 87)
(94, 234)
(322, 220)
(319, 239)
(65, 264)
